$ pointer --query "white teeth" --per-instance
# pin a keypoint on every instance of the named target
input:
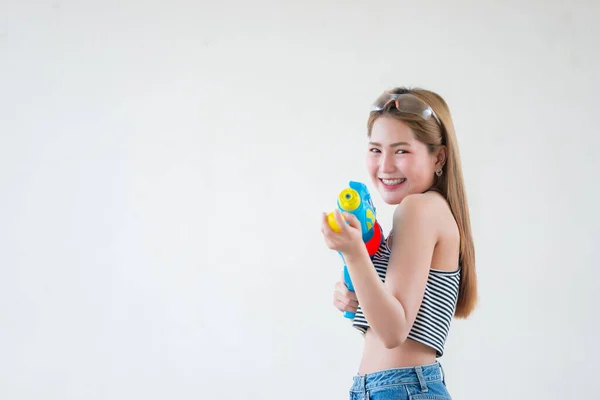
(391, 182)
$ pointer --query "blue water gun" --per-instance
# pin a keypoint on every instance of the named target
(356, 200)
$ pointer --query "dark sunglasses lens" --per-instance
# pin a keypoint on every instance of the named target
(382, 100)
(413, 105)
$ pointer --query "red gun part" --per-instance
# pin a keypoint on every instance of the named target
(375, 242)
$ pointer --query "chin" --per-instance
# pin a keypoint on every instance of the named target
(392, 198)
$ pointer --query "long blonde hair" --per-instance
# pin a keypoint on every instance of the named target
(450, 184)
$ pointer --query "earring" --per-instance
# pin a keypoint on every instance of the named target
(439, 172)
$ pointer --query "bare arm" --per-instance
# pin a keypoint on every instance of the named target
(391, 307)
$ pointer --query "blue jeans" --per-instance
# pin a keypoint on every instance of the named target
(410, 383)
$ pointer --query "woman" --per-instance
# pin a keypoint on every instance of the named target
(424, 272)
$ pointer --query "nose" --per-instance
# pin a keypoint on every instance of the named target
(386, 164)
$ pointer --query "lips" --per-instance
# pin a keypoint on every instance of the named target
(392, 182)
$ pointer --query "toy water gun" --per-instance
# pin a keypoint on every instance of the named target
(356, 200)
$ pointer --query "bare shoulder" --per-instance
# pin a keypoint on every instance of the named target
(422, 207)
(426, 219)
(428, 213)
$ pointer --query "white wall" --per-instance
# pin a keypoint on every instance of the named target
(163, 167)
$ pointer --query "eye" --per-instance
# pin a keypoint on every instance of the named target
(402, 152)
(374, 150)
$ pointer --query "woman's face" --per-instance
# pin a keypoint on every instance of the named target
(399, 164)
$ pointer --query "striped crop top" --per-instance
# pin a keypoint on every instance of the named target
(433, 319)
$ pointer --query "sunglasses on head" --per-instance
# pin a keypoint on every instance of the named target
(405, 103)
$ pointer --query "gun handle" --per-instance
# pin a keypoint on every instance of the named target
(348, 281)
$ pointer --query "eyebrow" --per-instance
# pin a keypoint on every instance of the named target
(392, 145)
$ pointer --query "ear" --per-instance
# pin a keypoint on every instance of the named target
(440, 157)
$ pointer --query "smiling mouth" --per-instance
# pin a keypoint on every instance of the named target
(393, 182)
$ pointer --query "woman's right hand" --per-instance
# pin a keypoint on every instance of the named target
(343, 298)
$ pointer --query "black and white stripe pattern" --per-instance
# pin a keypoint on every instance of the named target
(432, 323)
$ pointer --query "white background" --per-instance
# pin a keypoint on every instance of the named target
(164, 166)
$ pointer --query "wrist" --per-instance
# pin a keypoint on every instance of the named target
(356, 255)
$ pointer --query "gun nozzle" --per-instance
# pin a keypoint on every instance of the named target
(349, 199)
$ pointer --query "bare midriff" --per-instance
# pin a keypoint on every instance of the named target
(377, 357)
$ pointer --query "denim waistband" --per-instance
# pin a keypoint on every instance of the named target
(418, 375)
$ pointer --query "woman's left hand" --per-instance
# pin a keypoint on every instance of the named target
(349, 240)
